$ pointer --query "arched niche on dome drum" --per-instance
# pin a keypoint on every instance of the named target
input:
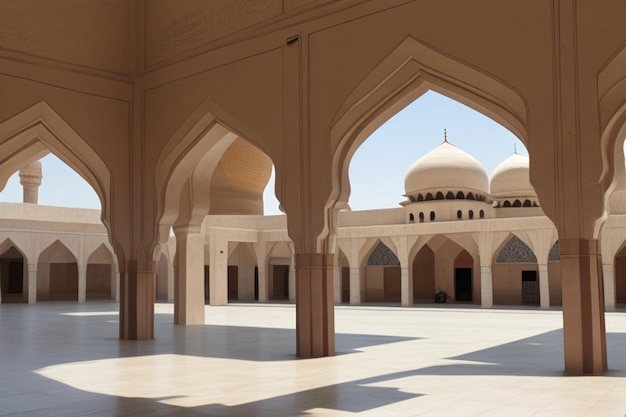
(460, 195)
(429, 197)
(439, 195)
(517, 203)
(527, 203)
(420, 197)
(450, 195)
(470, 196)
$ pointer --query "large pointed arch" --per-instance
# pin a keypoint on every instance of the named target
(186, 160)
(410, 70)
(612, 106)
(31, 134)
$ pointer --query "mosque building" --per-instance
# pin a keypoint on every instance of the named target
(481, 241)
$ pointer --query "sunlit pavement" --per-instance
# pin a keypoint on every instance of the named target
(64, 359)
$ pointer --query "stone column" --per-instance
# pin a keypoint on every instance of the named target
(315, 314)
(189, 276)
(544, 286)
(337, 278)
(82, 283)
(32, 283)
(406, 287)
(355, 285)
(486, 286)
(30, 178)
(117, 286)
(608, 274)
(218, 270)
(584, 333)
(137, 282)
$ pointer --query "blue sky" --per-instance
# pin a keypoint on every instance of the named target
(376, 171)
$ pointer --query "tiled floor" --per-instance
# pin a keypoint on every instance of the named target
(63, 359)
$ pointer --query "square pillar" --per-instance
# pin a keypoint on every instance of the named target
(189, 277)
(544, 286)
(315, 310)
(137, 286)
(82, 283)
(32, 283)
(406, 287)
(355, 286)
(486, 286)
(608, 274)
(584, 333)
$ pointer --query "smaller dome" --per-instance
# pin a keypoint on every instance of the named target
(512, 178)
(446, 168)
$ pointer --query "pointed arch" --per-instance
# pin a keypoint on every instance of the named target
(31, 134)
(410, 70)
(57, 251)
(188, 158)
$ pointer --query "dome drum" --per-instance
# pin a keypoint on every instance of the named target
(446, 210)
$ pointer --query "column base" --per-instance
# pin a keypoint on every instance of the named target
(584, 334)
(315, 310)
(137, 296)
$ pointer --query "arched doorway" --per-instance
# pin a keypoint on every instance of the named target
(515, 274)
(57, 274)
(13, 286)
(424, 275)
(382, 275)
(100, 275)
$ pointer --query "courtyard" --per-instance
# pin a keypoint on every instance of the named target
(65, 359)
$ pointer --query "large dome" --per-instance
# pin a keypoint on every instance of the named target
(447, 169)
(512, 179)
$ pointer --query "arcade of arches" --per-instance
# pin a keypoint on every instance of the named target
(144, 98)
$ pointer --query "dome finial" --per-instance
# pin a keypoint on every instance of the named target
(515, 148)
(445, 135)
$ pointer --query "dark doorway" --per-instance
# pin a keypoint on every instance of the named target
(16, 278)
(256, 283)
(530, 288)
(345, 284)
(207, 288)
(280, 282)
(233, 282)
(463, 284)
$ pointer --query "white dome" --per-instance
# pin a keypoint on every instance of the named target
(446, 168)
(512, 178)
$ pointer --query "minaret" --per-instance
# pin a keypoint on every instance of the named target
(30, 178)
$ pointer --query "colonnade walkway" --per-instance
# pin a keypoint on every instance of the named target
(64, 359)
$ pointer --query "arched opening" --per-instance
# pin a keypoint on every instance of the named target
(507, 203)
(424, 275)
(460, 195)
(527, 203)
(517, 203)
(470, 214)
(57, 273)
(162, 279)
(439, 196)
(411, 218)
(280, 283)
(620, 276)
(13, 277)
(100, 275)
(242, 276)
(382, 275)
(421, 217)
(515, 274)
(470, 196)
(432, 216)
(482, 214)
(429, 197)
(459, 214)
(449, 195)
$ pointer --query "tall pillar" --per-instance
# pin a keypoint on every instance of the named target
(117, 286)
(355, 285)
(189, 276)
(608, 274)
(82, 283)
(544, 286)
(337, 278)
(218, 270)
(315, 314)
(137, 282)
(406, 287)
(262, 269)
(30, 178)
(32, 283)
(584, 332)
(486, 286)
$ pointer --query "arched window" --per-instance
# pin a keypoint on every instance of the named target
(527, 203)
(482, 214)
(450, 195)
(470, 196)
(439, 196)
(411, 218)
(420, 197)
(507, 203)
(460, 195)
(421, 217)
(459, 214)
(517, 203)
(471, 214)
(432, 216)
(429, 197)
